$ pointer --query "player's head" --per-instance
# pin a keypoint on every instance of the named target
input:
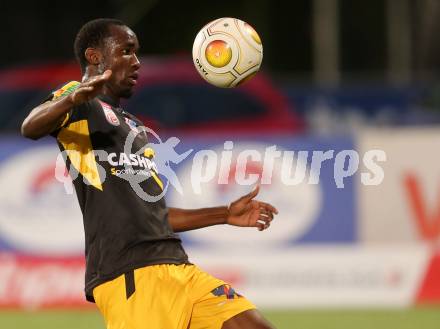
(105, 43)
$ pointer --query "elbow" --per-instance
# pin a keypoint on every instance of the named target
(28, 132)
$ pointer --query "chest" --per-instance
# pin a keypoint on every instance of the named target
(113, 128)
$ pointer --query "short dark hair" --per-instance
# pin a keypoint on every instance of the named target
(91, 35)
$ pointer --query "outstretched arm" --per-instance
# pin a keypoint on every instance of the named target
(244, 212)
(48, 116)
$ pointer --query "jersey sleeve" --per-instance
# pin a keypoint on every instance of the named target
(63, 91)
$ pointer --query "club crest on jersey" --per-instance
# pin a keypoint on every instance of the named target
(132, 124)
(109, 114)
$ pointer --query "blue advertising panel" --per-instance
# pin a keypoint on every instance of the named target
(306, 178)
(37, 216)
(314, 210)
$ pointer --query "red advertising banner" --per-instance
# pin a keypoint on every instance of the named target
(34, 282)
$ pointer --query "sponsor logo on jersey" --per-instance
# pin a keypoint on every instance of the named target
(109, 114)
(225, 290)
(132, 124)
(124, 163)
(122, 159)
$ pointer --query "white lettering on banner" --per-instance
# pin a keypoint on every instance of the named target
(34, 283)
(327, 276)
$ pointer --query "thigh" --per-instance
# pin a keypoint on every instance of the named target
(251, 319)
(155, 298)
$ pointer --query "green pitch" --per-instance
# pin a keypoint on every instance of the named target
(420, 318)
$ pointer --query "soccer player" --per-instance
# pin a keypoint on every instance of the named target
(137, 271)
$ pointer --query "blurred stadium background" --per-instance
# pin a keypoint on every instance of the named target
(337, 74)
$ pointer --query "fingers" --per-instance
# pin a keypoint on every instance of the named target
(268, 207)
(266, 216)
(96, 80)
(262, 224)
(107, 74)
(248, 197)
(251, 195)
(261, 219)
(85, 89)
(90, 88)
(266, 213)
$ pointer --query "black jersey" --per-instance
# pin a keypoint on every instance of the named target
(123, 231)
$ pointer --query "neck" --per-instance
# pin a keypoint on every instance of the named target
(92, 71)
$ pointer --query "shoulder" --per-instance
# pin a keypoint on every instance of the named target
(62, 91)
(65, 89)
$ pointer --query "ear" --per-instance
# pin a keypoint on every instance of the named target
(93, 56)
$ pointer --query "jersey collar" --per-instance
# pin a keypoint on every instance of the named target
(109, 100)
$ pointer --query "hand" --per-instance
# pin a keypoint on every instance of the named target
(88, 89)
(247, 212)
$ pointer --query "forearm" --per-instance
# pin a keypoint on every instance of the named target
(191, 219)
(45, 118)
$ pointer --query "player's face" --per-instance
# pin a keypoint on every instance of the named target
(120, 56)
